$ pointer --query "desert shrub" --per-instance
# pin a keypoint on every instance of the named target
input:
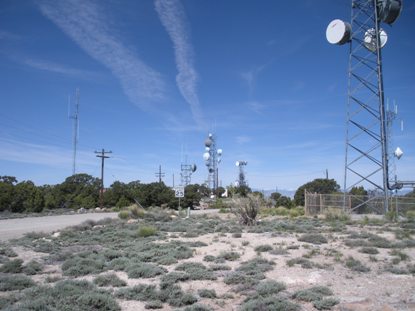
(303, 262)
(136, 212)
(296, 212)
(172, 278)
(209, 258)
(207, 293)
(154, 304)
(400, 255)
(246, 209)
(356, 265)
(356, 243)
(124, 215)
(12, 266)
(410, 215)
(269, 304)
(333, 214)
(230, 256)
(269, 287)
(380, 242)
(79, 266)
(325, 303)
(7, 251)
(263, 248)
(147, 231)
(196, 271)
(96, 301)
(219, 268)
(139, 292)
(369, 250)
(15, 282)
(397, 270)
(314, 293)
(237, 235)
(314, 238)
(144, 270)
(279, 251)
(119, 264)
(111, 254)
(198, 307)
(109, 280)
(32, 267)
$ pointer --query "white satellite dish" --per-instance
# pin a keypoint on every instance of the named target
(237, 163)
(338, 32)
(206, 156)
(370, 39)
(398, 153)
(219, 151)
(207, 149)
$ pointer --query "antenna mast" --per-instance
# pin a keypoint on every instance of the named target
(75, 129)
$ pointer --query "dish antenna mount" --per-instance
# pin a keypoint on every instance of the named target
(212, 158)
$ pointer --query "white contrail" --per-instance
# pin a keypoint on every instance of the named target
(173, 18)
(86, 24)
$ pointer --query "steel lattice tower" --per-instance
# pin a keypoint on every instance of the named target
(366, 157)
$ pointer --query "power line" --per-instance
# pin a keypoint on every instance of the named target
(102, 154)
(160, 174)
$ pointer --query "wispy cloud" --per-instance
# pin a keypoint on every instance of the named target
(243, 139)
(60, 69)
(173, 18)
(256, 106)
(251, 76)
(5, 35)
(87, 24)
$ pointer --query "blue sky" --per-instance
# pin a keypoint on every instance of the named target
(155, 77)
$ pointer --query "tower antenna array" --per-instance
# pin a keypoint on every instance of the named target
(75, 129)
(366, 156)
(212, 157)
(241, 182)
(186, 172)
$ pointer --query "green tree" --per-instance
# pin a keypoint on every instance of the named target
(79, 190)
(27, 197)
(319, 185)
(6, 192)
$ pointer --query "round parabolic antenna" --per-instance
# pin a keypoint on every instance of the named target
(338, 32)
(206, 156)
(237, 163)
(370, 39)
(208, 142)
(219, 151)
(389, 10)
(194, 168)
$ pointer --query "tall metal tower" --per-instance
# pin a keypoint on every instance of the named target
(186, 172)
(366, 156)
(212, 157)
(75, 128)
(241, 177)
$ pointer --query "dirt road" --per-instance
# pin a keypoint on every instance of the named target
(16, 228)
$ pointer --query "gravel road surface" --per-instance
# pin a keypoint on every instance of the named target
(17, 227)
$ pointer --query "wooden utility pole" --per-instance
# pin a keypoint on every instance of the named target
(102, 154)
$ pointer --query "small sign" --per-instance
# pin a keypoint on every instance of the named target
(179, 192)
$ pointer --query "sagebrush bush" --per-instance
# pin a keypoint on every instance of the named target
(369, 250)
(12, 266)
(230, 256)
(110, 279)
(303, 262)
(7, 251)
(79, 266)
(333, 214)
(269, 287)
(146, 231)
(196, 271)
(207, 293)
(15, 282)
(312, 294)
(155, 304)
(144, 270)
(246, 209)
(356, 265)
(325, 303)
(172, 278)
(268, 304)
(140, 292)
(314, 238)
(32, 267)
(124, 215)
(263, 248)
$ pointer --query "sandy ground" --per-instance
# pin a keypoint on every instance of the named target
(377, 290)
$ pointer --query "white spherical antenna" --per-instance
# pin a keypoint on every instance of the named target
(338, 32)
(370, 39)
(210, 135)
(398, 153)
(208, 142)
(206, 156)
(237, 163)
(220, 151)
(207, 148)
